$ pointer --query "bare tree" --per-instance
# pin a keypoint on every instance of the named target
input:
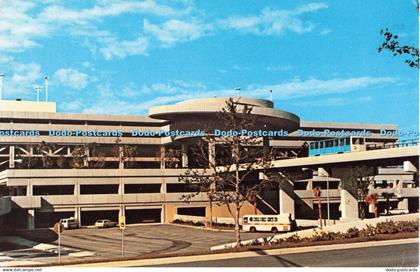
(227, 173)
(392, 44)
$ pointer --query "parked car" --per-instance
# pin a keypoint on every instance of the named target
(70, 223)
(105, 223)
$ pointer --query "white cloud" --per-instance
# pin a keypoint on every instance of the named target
(71, 78)
(274, 22)
(325, 31)
(19, 30)
(122, 49)
(127, 101)
(173, 31)
(20, 78)
(279, 68)
(314, 87)
(106, 9)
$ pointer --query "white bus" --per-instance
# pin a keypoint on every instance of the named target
(273, 223)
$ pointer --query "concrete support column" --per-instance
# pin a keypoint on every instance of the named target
(212, 153)
(162, 214)
(77, 188)
(78, 215)
(29, 188)
(266, 146)
(121, 189)
(12, 156)
(349, 206)
(85, 160)
(184, 155)
(30, 219)
(286, 198)
(120, 155)
(122, 210)
(163, 186)
(162, 157)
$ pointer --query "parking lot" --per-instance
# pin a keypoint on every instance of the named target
(140, 239)
(154, 239)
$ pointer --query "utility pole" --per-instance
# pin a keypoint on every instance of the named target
(237, 91)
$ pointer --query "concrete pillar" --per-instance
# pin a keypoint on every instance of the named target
(162, 157)
(349, 206)
(121, 189)
(403, 204)
(286, 198)
(29, 188)
(122, 210)
(163, 186)
(30, 219)
(12, 156)
(184, 155)
(77, 188)
(162, 214)
(78, 215)
(120, 156)
(266, 146)
(86, 158)
(212, 153)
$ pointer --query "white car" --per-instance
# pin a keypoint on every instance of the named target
(105, 223)
(70, 223)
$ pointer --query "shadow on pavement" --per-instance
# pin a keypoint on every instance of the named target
(282, 261)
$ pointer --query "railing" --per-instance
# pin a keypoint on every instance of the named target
(403, 143)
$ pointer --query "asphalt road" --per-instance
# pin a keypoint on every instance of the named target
(142, 239)
(138, 240)
(404, 255)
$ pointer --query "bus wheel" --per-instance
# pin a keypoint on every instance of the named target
(274, 230)
(252, 229)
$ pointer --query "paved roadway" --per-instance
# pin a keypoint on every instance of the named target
(139, 240)
(403, 255)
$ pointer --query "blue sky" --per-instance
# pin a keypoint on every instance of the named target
(121, 57)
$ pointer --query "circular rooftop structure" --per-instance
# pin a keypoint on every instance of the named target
(195, 114)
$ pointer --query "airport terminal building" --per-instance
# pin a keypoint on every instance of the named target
(57, 165)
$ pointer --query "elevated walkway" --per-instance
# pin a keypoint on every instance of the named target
(382, 155)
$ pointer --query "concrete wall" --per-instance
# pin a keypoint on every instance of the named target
(5, 205)
(27, 106)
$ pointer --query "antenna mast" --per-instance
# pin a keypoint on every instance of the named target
(237, 91)
(37, 89)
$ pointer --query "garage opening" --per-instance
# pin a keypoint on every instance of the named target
(98, 189)
(53, 190)
(141, 188)
(194, 211)
(181, 188)
(90, 217)
(48, 219)
(142, 216)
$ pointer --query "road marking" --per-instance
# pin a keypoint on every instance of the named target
(246, 254)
